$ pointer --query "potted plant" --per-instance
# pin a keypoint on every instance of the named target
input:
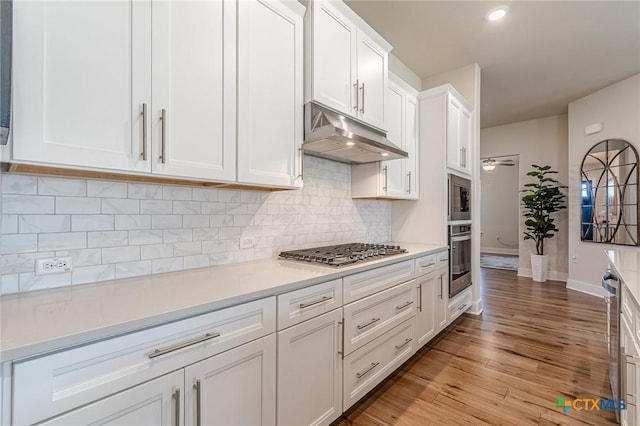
(541, 201)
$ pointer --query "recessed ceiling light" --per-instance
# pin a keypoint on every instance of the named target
(497, 14)
(350, 143)
(384, 154)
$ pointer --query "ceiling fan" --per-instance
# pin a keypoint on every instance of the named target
(489, 164)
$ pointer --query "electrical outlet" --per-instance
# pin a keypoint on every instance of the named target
(247, 242)
(56, 265)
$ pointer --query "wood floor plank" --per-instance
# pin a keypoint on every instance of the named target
(534, 343)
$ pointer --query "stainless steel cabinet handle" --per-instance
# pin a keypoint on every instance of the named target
(428, 265)
(373, 321)
(357, 97)
(409, 190)
(176, 399)
(370, 368)
(384, 169)
(301, 176)
(172, 348)
(163, 135)
(632, 359)
(440, 278)
(462, 307)
(400, 307)
(362, 107)
(323, 299)
(143, 151)
(197, 388)
(341, 329)
(402, 345)
(420, 298)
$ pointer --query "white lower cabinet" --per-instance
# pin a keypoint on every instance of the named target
(310, 371)
(237, 387)
(441, 302)
(154, 403)
(425, 315)
(458, 305)
(369, 365)
(629, 358)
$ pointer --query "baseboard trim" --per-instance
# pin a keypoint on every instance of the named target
(476, 308)
(553, 275)
(494, 250)
(587, 288)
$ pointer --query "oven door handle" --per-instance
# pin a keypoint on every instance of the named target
(461, 238)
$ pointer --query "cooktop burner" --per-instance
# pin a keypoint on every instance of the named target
(342, 254)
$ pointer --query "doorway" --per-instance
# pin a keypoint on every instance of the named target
(500, 212)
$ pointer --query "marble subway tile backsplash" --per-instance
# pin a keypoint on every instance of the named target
(116, 229)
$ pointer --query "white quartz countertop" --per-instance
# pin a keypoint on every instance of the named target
(47, 320)
(626, 263)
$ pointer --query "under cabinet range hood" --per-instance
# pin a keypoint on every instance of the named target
(335, 136)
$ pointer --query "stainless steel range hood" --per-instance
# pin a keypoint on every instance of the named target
(332, 135)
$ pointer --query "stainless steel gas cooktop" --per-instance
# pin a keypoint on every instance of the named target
(342, 254)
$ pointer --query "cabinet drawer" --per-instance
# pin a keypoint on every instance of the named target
(51, 384)
(306, 303)
(366, 283)
(426, 264)
(628, 311)
(459, 304)
(372, 316)
(443, 259)
(369, 365)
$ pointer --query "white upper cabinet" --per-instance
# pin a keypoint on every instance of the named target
(393, 174)
(81, 78)
(347, 62)
(270, 92)
(206, 90)
(394, 179)
(193, 78)
(411, 146)
(331, 54)
(458, 134)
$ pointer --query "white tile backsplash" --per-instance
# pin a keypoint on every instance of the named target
(41, 223)
(118, 229)
(61, 186)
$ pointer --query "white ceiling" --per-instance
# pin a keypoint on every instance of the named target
(542, 56)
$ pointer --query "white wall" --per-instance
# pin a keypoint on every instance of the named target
(114, 229)
(618, 108)
(544, 142)
(500, 207)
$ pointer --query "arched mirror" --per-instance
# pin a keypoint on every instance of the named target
(609, 193)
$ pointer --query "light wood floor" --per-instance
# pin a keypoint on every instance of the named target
(533, 343)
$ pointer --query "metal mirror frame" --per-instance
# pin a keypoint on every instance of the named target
(621, 226)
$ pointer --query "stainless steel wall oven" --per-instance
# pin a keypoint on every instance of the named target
(459, 258)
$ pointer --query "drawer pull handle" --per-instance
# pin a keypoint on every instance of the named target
(369, 369)
(373, 321)
(176, 398)
(428, 265)
(401, 307)
(632, 359)
(406, 342)
(307, 305)
(167, 349)
(462, 307)
(197, 388)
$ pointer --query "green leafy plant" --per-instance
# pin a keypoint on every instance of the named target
(543, 198)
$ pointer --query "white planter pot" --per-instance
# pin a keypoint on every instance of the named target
(539, 267)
